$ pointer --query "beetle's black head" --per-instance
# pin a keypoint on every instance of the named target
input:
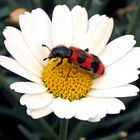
(60, 51)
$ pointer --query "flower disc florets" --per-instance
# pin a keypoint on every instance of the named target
(67, 81)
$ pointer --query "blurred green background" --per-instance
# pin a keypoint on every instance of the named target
(16, 125)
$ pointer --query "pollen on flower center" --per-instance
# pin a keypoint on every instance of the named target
(67, 81)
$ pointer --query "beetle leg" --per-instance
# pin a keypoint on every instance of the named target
(69, 71)
(69, 61)
(55, 59)
(59, 63)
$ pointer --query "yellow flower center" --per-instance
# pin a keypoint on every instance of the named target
(67, 81)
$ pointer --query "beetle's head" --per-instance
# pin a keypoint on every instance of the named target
(60, 51)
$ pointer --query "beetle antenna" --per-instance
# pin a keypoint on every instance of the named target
(43, 45)
(45, 58)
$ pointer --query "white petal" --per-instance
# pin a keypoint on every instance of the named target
(94, 20)
(129, 61)
(36, 101)
(123, 91)
(106, 35)
(36, 27)
(84, 109)
(92, 26)
(38, 113)
(80, 23)
(96, 119)
(114, 106)
(115, 77)
(62, 26)
(96, 108)
(117, 49)
(15, 67)
(42, 28)
(89, 108)
(63, 108)
(17, 47)
(99, 31)
(28, 87)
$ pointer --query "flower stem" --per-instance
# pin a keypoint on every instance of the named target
(63, 129)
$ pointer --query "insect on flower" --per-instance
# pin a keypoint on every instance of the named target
(77, 56)
(82, 95)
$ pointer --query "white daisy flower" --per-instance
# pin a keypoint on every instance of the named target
(68, 90)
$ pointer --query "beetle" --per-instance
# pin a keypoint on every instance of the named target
(79, 57)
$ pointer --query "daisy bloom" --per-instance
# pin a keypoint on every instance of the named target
(68, 90)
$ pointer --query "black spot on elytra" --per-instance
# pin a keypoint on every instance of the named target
(95, 66)
(81, 60)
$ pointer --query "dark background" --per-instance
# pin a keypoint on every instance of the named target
(16, 125)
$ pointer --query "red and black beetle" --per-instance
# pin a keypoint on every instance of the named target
(79, 57)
